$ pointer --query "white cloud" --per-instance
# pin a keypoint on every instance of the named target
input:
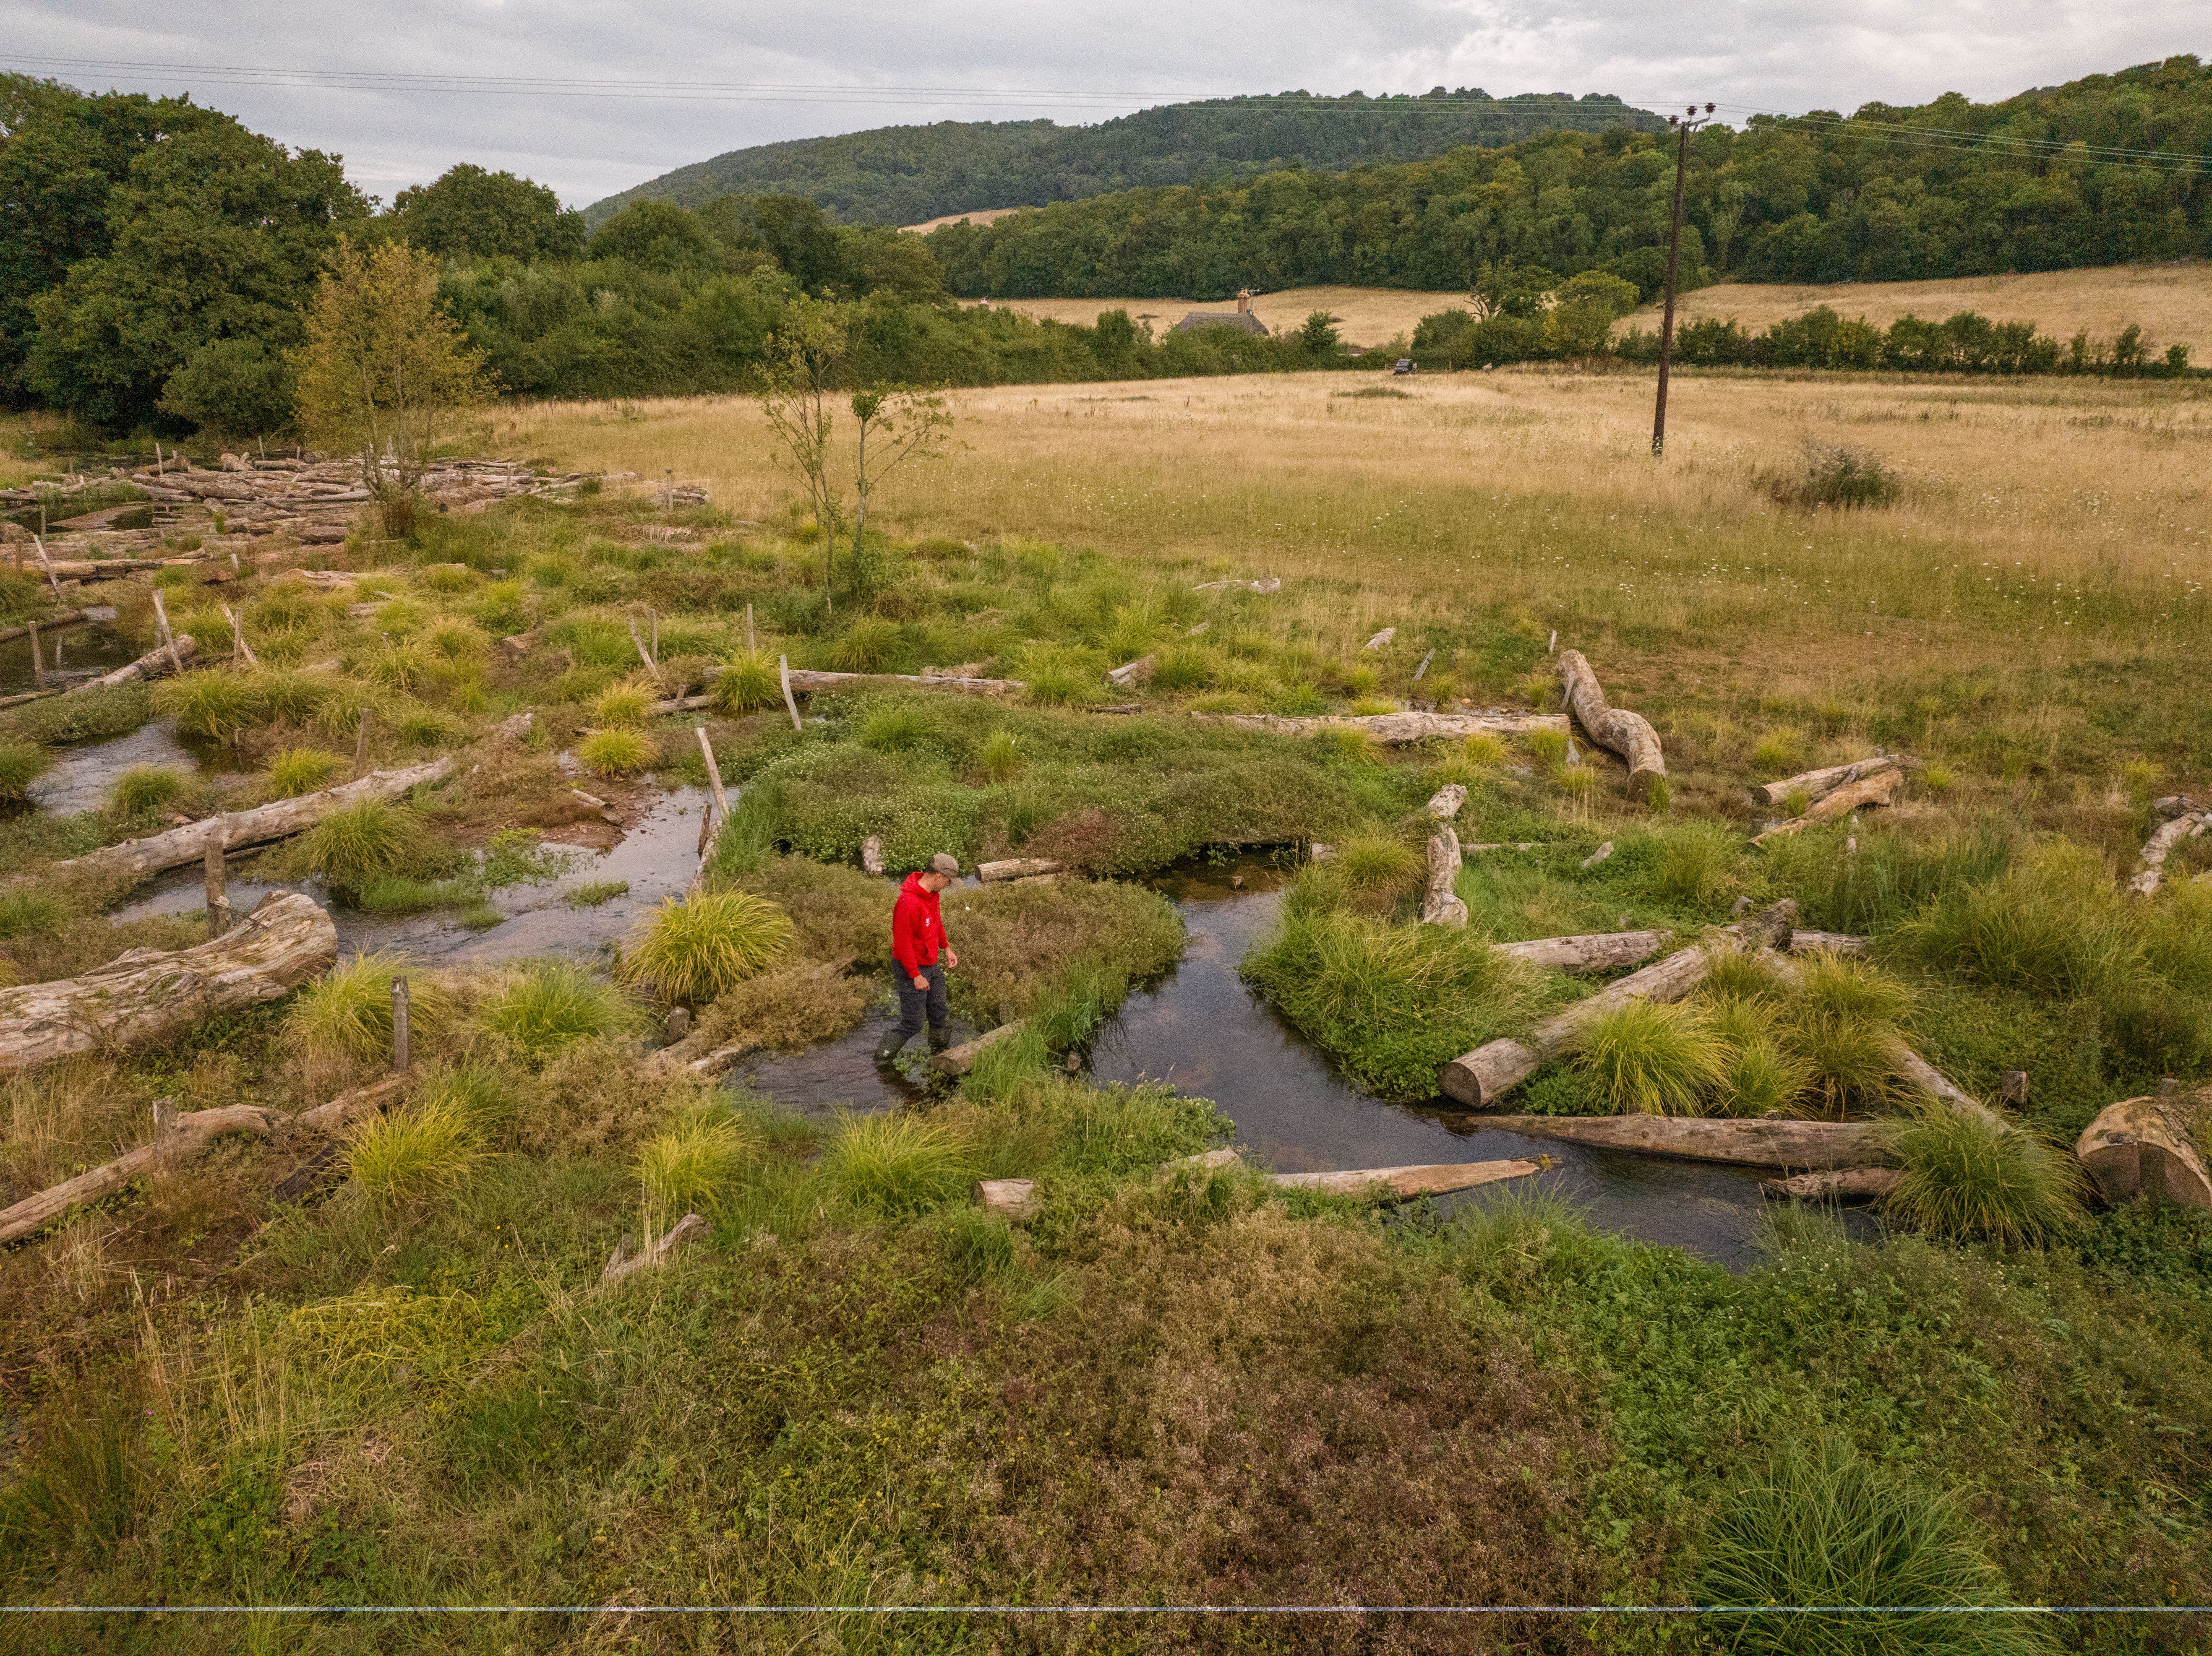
(1079, 60)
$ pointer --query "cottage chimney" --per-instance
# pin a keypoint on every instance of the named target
(1244, 302)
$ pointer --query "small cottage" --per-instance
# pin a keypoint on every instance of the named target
(1242, 316)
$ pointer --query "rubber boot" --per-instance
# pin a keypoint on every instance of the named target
(939, 1039)
(888, 1048)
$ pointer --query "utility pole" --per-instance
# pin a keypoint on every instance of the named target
(1685, 124)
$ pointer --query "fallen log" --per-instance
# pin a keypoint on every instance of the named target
(277, 820)
(1271, 583)
(1130, 673)
(156, 660)
(1629, 735)
(1204, 1161)
(1441, 906)
(1832, 942)
(328, 1120)
(1017, 868)
(624, 1264)
(1874, 790)
(1443, 804)
(1597, 951)
(175, 1136)
(1767, 1141)
(1817, 785)
(958, 1060)
(1401, 1184)
(1393, 729)
(1837, 1184)
(2159, 848)
(804, 683)
(145, 996)
(2149, 1147)
(1480, 1077)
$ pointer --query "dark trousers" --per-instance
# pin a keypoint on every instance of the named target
(915, 1002)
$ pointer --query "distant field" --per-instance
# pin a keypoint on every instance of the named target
(2172, 302)
(1370, 316)
(984, 216)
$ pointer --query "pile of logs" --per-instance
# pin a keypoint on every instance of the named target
(1834, 792)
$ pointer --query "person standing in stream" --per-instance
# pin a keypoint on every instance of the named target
(917, 939)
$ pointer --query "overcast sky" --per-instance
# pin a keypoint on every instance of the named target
(803, 69)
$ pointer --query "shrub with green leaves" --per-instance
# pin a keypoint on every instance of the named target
(1832, 1554)
(1650, 1056)
(1969, 1175)
(694, 950)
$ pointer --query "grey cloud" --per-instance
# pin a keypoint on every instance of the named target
(1768, 54)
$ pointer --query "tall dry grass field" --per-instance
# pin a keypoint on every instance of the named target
(2052, 533)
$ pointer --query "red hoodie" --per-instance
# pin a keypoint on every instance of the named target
(917, 926)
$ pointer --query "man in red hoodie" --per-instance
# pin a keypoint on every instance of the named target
(917, 939)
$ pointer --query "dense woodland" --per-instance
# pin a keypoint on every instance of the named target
(2029, 184)
(154, 254)
(904, 174)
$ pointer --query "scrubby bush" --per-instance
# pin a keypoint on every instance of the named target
(616, 752)
(22, 763)
(1969, 1175)
(1831, 1554)
(145, 787)
(898, 1163)
(1649, 1057)
(695, 950)
(300, 770)
(1842, 479)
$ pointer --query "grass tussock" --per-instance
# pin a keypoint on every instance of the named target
(402, 1155)
(1651, 1057)
(624, 705)
(544, 1004)
(898, 1163)
(691, 1160)
(747, 683)
(368, 840)
(694, 950)
(145, 788)
(22, 763)
(1971, 1178)
(619, 752)
(1880, 1565)
(297, 771)
(340, 1023)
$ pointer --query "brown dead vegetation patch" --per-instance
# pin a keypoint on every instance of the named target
(786, 1011)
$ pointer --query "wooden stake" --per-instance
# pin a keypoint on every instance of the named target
(238, 637)
(218, 904)
(783, 665)
(402, 1057)
(713, 773)
(38, 661)
(644, 654)
(47, 564)
(168, 638)
(361, 745)
(652, 621)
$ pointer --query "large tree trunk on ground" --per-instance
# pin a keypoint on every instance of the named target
(958, 1060)
(624, 1264)
(278, 820)
(181, 1136)
(1400, 1184)
(1838, 1184)
(1768, 1142)
(2147, 1147)
(1441, 906)
(1817, 785)
(1013, 1199)
(1597, 951)
(147, 995)
(1629, 735)
(155, 662)
(1874, 790)
(1017, 868)
(1443, 804)
(1393, 729)
(1834, 943)
(2159, 848)
(1478, 1079)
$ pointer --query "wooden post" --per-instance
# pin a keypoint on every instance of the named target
(238, 643)
(644, 654)
(2013, 1088)
(783, 665)
(218, 904)
(401, 1054)
(47, 564)
(713, 773)
(361, 745)
(165, 1126)
(38, 661)
(680, 1023)
(652, 624)
(168, 638)
(751, 648)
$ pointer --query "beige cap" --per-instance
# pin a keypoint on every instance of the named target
(946, 865)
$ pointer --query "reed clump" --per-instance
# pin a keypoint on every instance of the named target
(695, 950)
